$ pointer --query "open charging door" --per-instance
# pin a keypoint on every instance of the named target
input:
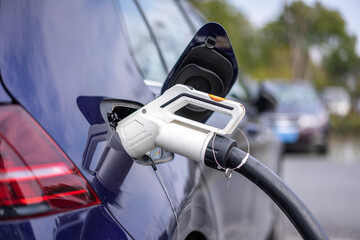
(208, 64)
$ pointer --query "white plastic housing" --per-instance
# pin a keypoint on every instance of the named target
(157, 125)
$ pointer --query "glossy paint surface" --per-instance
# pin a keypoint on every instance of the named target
(54, 52)
(91, 223)
(4, 96)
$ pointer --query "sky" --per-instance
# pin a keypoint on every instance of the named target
(259, 12)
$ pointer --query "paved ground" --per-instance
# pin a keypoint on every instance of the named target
(330, 186)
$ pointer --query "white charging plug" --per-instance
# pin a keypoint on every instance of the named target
(157, 124)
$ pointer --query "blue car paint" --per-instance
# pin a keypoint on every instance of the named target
(90, 223)
(90, 108)
(52, 52)
(46, 66)
(46, 72)
(4, 96)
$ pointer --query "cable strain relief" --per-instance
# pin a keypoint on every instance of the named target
(221, 146)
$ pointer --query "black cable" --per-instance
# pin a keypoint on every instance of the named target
(230, 157)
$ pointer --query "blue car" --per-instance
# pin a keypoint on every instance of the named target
(300, 119)
(69, 70)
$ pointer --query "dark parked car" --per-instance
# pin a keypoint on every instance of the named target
(300, 120)
(66, 67)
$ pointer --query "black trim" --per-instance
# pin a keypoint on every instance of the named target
(197, 98)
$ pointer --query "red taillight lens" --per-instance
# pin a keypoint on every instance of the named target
(36, 177)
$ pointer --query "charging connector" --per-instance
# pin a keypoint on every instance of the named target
(158, 125)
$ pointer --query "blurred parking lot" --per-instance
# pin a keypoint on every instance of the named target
(329, 185)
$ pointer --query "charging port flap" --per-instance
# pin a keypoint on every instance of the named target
(208, 64)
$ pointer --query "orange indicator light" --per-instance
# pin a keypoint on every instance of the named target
(216, 98)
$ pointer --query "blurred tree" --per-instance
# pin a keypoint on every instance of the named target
(303, 28)
(343, 61)
(282, 48)
(238, 28)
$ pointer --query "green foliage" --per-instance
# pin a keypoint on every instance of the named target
(237, 26)
(342, 59)
(281, 49)
(328, 24)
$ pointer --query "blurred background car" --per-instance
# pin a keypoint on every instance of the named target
(337, 100)
(58, 55)
(300, 120)
(317, 40)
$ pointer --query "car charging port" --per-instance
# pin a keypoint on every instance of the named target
(104, 155)
(113, 110)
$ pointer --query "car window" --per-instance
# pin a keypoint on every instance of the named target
(296, 96)
(169, 26)
(196, 18)
(141, 43)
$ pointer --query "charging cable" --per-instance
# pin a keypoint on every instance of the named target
(228, 156)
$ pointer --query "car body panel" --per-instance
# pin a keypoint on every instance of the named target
(90, 223)
(36, 58)
(46, 73)
(4, 96)
(52, 53)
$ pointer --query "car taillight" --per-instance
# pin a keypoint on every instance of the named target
(36, 177)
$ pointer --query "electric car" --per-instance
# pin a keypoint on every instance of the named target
(300, 119)
(71, 69)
